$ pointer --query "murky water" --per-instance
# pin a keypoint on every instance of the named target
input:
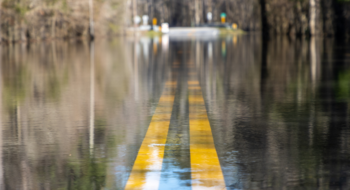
(78, 116)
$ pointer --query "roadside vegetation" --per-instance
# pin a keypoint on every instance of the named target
(30, 20)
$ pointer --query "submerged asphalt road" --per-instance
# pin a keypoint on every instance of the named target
(178, 150)
(190, 111)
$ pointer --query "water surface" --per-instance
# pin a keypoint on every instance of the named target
(75, 115)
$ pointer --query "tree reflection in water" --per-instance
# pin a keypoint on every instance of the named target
(278, 109)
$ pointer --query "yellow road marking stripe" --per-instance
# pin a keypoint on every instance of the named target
(146, 171)
(205, 165)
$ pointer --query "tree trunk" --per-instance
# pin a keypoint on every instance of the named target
(197, 12)
(313, 16)
(264, 24)
(134, 14)
(92, 99)
(91, 8)
(327, 17)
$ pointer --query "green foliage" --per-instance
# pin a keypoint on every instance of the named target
(51, 2)
(89, 173)
(153, 34)
(20, 7)
(114, 28)
(65, 7)
(54, 87)
(343, 85)
(115, 5)
(15, 87)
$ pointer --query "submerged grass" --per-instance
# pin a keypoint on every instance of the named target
(152, 34)
(228, 31)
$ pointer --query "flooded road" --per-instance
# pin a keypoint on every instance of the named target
(234, 112)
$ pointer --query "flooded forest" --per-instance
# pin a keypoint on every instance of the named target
(126, 110)
(30, 20)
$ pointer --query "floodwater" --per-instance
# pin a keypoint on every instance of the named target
(234, 112)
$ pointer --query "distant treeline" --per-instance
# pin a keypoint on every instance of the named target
(293, 17)
(27, 20)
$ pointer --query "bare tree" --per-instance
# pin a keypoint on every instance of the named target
(197, 12)
(91, 8)
(92, 99)
(313, 16)
(134, 12)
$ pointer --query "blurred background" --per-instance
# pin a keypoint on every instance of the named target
(25, 20)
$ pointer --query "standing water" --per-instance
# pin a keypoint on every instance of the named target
(234, 112)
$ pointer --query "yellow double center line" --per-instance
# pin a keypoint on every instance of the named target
(205, 166)
(206, 172)
(146, 171)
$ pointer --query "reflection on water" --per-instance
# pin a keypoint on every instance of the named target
(74, 115)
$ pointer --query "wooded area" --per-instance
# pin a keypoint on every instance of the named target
(23, 20)
(292, 17)
(27, 20)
